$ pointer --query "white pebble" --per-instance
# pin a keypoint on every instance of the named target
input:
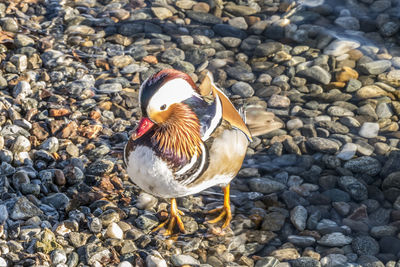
(114, 231)
(155, 260)
(369, 130)
(125, 264)
(146, 201)
(348, 151)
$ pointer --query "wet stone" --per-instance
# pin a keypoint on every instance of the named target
(243, 89)
(335, 240)
(365, 245)
(24, 209)
(316, 74)
(369, 130)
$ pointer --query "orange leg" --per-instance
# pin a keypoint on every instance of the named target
(173, 219)
(225, 210)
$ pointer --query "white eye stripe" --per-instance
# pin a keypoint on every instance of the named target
(173, 91)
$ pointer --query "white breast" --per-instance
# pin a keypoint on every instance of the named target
(152, 174)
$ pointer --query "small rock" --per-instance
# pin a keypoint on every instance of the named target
(347, 152)
(365, 245)
(316, 74)
(58, 256)
(323, 145)
(334, 240)
(155, 260)
(365, 164)
(242, 89)
(278, 101)
(298, 217)
(161, 12)
(114, 231)
(265, 185)
(375, 67)
(180, 260)
(24, 209)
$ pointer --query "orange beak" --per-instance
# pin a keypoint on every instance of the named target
(145, 125)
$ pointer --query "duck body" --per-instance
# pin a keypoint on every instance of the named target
(217, 148)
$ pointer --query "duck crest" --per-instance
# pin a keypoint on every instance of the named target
(178, 139)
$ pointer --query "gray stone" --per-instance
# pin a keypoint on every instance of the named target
(365, 164)
(332, 260)
(21, 144)
(348, 23)
(384, 111)
(323, 145)
(58, 200)
(334, 240)
(375, 67)
(298, 216)
(95, 253)
(369, 130)
(278, 101)
(243, 89)
(24, 209)
(357, 190)
(347, 152)
(389, 28)
(316, 74)
(301, 241)
(385, 230)
(22, 40)
(109, 88)
(267, 49)
(22, 90)
(365, 245)
(265, 185)
(51, 144)
(339, 47)
(146, 221)
(339, 112)
(353, 85)
(267, 262)
(179, 260)
(305, 262)
(273, 221)
(58, 256)
(203, 17)
(226, 30)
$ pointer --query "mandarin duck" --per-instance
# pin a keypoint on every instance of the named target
(189, 138)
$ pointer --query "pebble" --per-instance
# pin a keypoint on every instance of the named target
(114, 231)
(298, 217)
(242, 89)
(334, 240)
(316, 74)
(375, 67)
(347, 152)
(179, 260)
(365, 245)
(323, 145)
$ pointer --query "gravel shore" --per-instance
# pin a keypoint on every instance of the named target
(322, 191)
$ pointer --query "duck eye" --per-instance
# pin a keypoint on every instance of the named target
(163, 107)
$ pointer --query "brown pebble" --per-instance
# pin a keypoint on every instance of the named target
(59, 177)
(150, 59)
(69, 130)
(346, 74)
(39, 131)
(59, 112)
(95, 115)
(201, 7)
